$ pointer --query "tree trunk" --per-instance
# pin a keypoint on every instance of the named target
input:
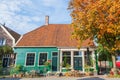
(114, 64)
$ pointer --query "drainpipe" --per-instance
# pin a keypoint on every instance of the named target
(96, 61)
(59, 65)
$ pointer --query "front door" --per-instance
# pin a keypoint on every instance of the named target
(54, 61)
(5, 62)
(78, 63)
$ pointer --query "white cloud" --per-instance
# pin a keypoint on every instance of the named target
(16, 15)
(26, 15)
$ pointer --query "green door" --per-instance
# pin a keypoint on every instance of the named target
(54, 61)
(78, 63)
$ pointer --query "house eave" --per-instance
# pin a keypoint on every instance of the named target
(31, 46)
(59, 47)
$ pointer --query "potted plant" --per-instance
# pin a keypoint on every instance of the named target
(21, 74)
(48, 65)
(67, 67)
(16, 71)
(87, 70)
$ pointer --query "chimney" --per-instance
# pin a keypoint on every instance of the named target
(46, 20)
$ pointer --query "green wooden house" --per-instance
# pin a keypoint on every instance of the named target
(52, 43)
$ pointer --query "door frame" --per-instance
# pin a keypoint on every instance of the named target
(57, 59)
(7, 61)
(81, 62)
(79, 55)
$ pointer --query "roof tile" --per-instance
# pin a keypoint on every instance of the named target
(58, 35)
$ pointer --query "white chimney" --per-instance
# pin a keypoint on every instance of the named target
(46, 20)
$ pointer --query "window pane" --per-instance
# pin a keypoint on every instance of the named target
(66, 53)
(2, 41)
(88, 57)
(66, 61)
(30, 59)
(42, 58)
(54, 54)
(66, 58)
(77, 53)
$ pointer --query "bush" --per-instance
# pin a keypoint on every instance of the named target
(47, 65)
(0, 66)
(19, 68)
(16, 70)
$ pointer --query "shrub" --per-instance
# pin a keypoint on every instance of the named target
(16, 70)
(0, 67)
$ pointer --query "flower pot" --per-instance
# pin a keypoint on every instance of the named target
(87, 73)
(14, 76)
(20, 75)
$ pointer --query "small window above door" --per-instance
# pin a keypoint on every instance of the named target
(77, 53)
(54, 54)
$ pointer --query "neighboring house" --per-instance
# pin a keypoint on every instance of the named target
(52, 43)
(8, 37)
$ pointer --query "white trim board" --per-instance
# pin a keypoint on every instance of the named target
(82, 49)
(39, 58)
(18, 40)
(57, 59)
(26, 58)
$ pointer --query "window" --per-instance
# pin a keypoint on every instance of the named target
(2, 41)
(42, 58)
(66, 58)
(30, 59)
(54, 54)
(88, 58)
(77, 53)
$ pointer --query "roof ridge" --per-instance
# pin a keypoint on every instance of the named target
(44, 26)
(34, 30)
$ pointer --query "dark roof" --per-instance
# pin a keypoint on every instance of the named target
(15, 35)
(58, 35)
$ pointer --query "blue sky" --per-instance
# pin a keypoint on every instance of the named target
(23, 16)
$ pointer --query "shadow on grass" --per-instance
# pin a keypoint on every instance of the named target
(92, 78)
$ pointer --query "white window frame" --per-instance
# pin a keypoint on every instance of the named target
(77, 55)
(67, 56)
(39, 57)
(2, 41)
(34, 59)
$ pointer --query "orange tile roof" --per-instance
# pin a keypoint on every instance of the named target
(58, 35)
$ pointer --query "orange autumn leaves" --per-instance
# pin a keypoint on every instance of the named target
(97, 19)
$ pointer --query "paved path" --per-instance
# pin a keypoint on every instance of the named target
(63, 78)
(72, 78)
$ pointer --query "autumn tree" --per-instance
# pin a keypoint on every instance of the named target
(99, 20)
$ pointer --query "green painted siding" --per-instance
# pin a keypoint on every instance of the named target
(22, 53)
